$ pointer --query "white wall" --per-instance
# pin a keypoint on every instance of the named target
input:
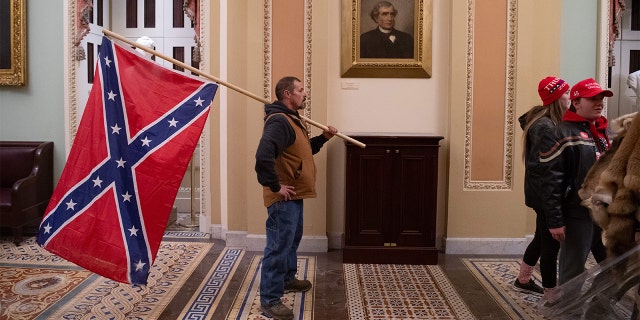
(386, 106)
(35, 111)
(397, 105)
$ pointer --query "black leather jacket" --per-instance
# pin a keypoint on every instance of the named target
(563, 169)
(540, 139)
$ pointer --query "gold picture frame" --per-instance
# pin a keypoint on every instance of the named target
(13, 31)
(418, 17)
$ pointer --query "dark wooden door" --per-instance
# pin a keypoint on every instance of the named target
(370, 183)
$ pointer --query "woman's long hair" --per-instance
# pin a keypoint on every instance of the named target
(554, 111)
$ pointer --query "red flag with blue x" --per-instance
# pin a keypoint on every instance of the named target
(138, 132)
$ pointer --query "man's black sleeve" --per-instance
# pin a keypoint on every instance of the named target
(277, 136)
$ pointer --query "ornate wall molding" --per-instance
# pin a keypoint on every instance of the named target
(604, 16)
(507, 180)
(268, 52)
(71, 96)
(307, 58)
(203, 144)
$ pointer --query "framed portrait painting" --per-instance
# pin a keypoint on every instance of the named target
(13, 42)
(386, 39)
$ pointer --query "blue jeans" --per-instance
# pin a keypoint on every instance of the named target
(280, 261)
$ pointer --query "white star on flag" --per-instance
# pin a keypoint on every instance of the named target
(134, 231)
(145, 141)
(71, 205)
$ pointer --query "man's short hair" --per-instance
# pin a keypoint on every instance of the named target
(376, 9)
(286, 83)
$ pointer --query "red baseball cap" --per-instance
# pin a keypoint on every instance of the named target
(551, 89)
(588, 88)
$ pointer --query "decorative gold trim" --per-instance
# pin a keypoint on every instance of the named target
(16, 75)
(507, 182)
(604, 16)
(266, 44)
(307, 59)
(267, 49)
(72, 68)
(203, 144)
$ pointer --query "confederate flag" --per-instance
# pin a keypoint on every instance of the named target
(136, 137)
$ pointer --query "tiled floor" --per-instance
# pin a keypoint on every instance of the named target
(330, 300)
(473, 294)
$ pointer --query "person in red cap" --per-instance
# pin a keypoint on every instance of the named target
(581, 138)
(539, 124)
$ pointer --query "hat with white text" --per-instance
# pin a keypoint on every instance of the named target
(551, 89)
(588, 88)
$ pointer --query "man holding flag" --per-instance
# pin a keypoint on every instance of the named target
(287, 172)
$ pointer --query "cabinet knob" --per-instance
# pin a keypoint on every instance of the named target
(388, 151)
(397, 150)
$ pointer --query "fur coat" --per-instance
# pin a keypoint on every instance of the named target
(612, 186)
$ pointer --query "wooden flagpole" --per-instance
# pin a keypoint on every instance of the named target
(224, 83)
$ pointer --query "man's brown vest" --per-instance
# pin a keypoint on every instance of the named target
(294, 166)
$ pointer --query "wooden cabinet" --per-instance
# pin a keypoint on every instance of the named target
(391, 194)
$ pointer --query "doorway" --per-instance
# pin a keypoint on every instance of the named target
(627, 53)
(172, 32)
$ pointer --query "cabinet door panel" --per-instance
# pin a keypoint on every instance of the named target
(391, 193)
(414, 202)
(368, 184)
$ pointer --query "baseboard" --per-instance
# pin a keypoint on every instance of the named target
(217, 231)
(487, 246)
(335, 240)
(253, 242)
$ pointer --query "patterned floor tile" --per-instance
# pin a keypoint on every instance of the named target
(387, 291)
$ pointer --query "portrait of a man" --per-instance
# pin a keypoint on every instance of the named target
(384, 40)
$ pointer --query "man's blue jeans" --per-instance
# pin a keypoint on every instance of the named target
(280, 261)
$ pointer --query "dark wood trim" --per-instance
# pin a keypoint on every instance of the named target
(132, 14)
(178, 54)
(178, 14)
(149, 13)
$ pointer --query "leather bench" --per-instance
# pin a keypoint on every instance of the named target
(26, 183)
